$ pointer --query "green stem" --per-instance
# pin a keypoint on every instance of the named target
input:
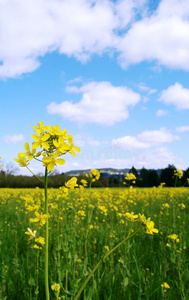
(102, 260)
(46, 239)
(35, 175)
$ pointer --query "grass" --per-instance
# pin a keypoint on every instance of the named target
(83, 225)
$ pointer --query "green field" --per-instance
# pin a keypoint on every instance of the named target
(83, 227)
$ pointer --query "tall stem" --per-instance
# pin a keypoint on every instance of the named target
(46, 238)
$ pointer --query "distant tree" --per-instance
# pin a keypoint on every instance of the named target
(148, 178)
(185, 176)
(143, 179)
(167, 175)
(134, 171)
(153, 178)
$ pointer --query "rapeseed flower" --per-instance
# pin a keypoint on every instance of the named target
(51, 161)
(21, 160)
(40, 240)
(150, 227)
(41, 218)
(72, 183)
(31, 234)
(95, 175)
(131, 216)
(165, 286)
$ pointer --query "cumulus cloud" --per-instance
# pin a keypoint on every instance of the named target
(81, 28)
(177, 95)
(182, 129)
(101, 103)
(30, 30)
(12, 139)
(145, 140)
(162, 36)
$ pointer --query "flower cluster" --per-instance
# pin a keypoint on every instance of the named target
(40, 240)
(174, 237)
(56, 288)
(52, 143)
(178, 173)
(149, 225)
(165, 286)
(95, 175)
(130, 177)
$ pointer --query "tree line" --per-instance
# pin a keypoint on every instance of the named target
(144, 178)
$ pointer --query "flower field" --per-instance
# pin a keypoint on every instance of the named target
(84, 226)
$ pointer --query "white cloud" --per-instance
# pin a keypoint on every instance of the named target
(146, 139)
(161, 113)
(30, 29)
(101, 103)
(182, 128)
(176, 95)
(12, 139)
(163, 37)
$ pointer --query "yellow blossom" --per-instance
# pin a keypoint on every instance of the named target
(51, 161)
(31, 233)
(150, 227)
(131, 216)
(40, 240)
(39, 218)
(71, 183)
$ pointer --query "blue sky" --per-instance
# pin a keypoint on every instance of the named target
(113, 73)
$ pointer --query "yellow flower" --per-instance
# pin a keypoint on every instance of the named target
(72, 147)
(174, 237)
(71, 183)
(95, 174)
(39, 128)
(56, 288)
(40, 240)
(84, 182)
(31, 233)
(165, 286)
(182, 206)
(142, 219)
(178, 173)
(40, 141)
(51, 161)
(39, 218)
(30, 155)
(131, 216)
(37, 247)
(23, 162)
(130, 176)
(150, 227)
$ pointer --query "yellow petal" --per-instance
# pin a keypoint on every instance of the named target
(45, 137)
(45, 145)
(77, 149)
(27, 147)
(50, 167)
(35, 145)
(35, 137)
(60, 161)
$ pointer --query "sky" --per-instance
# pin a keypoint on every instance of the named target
(114, 73)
